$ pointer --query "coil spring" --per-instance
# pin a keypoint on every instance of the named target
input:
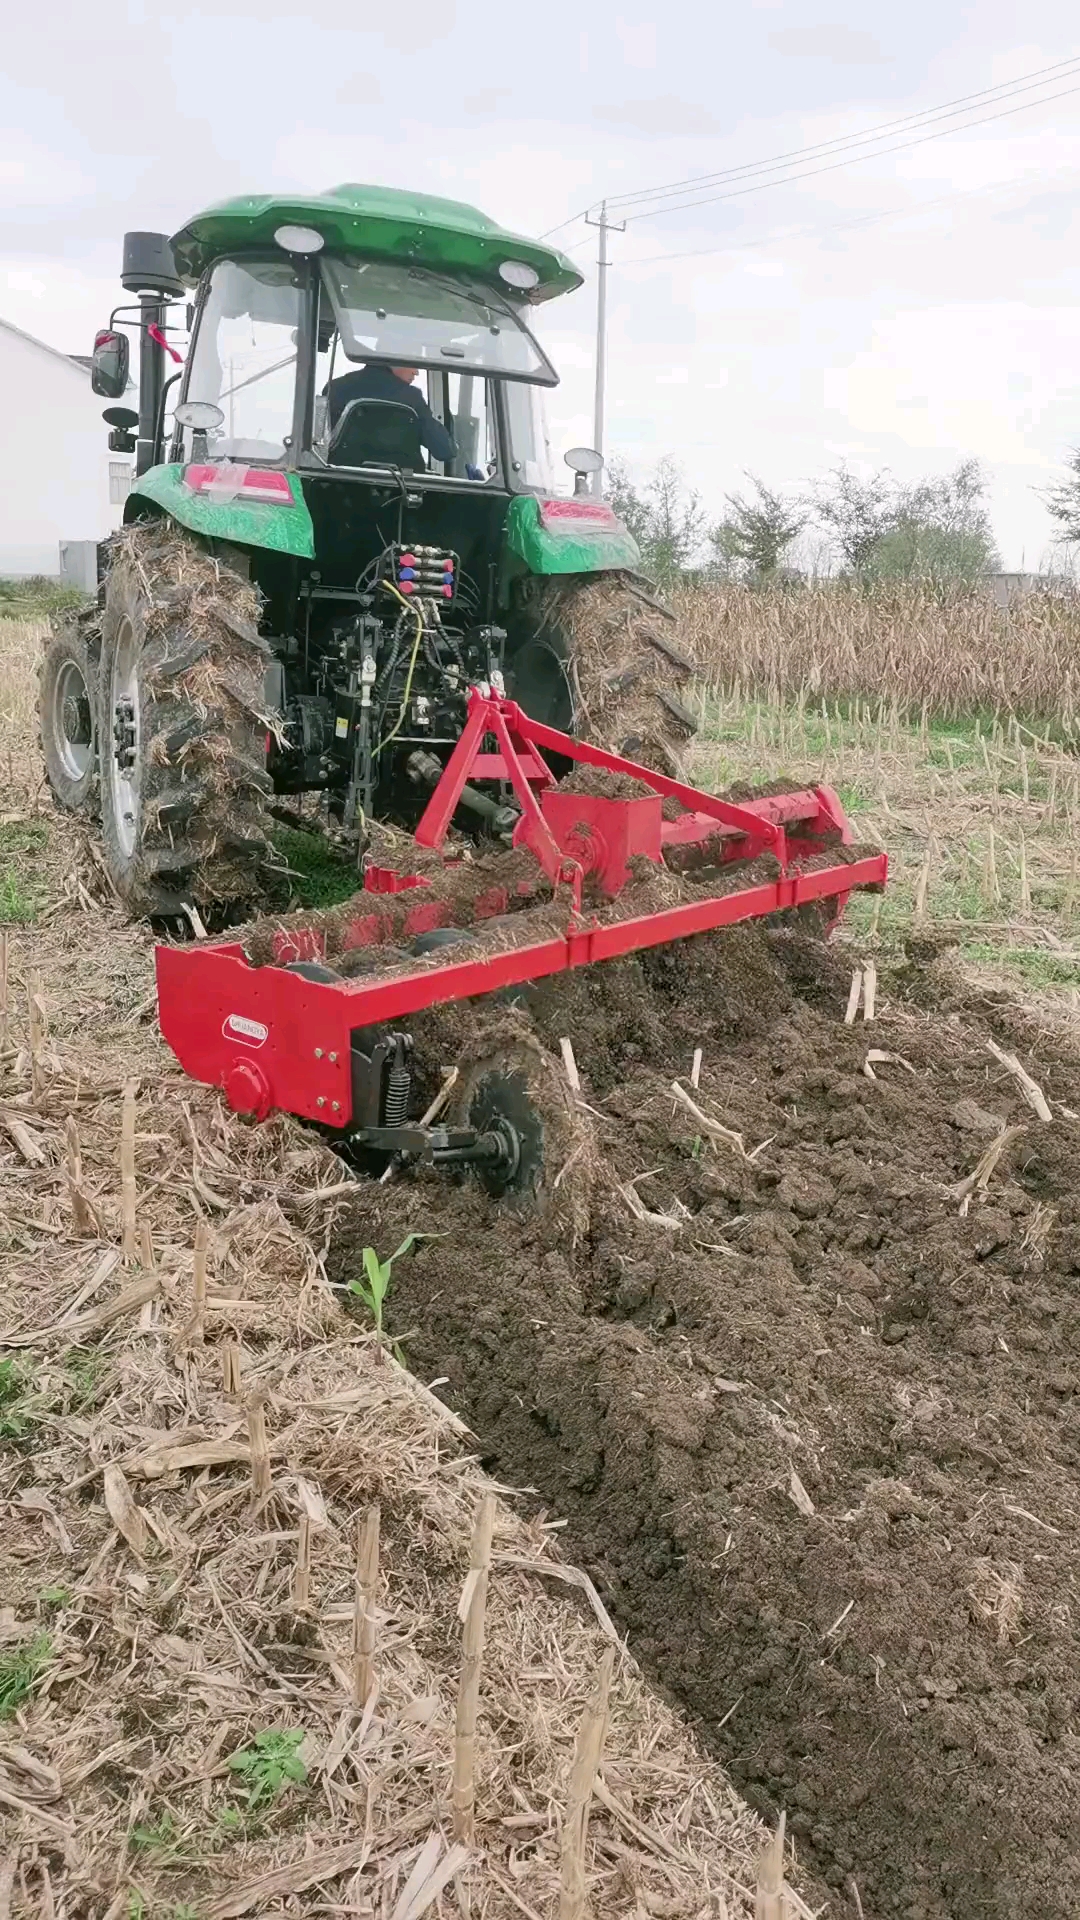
(398, 1082)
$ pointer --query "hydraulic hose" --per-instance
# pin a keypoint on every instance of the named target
(403, 709)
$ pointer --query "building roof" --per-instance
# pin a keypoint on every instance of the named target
(74, 360)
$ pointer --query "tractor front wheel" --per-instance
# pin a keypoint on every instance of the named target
(180, 727)
(66, 701)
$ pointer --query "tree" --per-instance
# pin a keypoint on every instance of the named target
(1063, 500)
(857, 513)
(665, 517)
(755, 534)
(941, 531)
(936, 530)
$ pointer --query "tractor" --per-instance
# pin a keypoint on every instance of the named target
(304, 592)
(347, 583)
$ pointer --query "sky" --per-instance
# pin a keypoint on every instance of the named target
(907, 311)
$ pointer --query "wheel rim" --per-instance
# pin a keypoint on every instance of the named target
(72, 725)
(124, 743)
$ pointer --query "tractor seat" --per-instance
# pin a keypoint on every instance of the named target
(380, 433)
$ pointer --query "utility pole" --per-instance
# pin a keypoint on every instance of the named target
(606, 226)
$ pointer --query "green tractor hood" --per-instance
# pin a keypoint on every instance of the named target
(382, 222)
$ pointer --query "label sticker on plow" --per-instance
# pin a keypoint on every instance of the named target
(238, 1027)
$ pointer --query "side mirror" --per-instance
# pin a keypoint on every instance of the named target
(109, 367)
(584, 459)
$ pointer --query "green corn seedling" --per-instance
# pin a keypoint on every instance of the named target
(374, 1289)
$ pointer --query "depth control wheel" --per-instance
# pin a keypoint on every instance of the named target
(499, 1104)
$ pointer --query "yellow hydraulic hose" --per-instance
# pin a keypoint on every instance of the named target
(419, 618)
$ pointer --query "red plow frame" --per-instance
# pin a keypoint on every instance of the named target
(271, 1038)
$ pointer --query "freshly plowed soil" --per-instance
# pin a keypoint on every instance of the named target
(818, 1437)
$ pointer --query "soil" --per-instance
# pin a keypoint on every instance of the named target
(817, 1437)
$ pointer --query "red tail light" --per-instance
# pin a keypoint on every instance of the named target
(241, 483)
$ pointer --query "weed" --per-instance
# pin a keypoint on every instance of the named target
(136, 1905)
(13, 1417)
(84, 1368)
(53, 1598)
(270, 1763)
(374, 1290)
(228, 1823)
(183, 1911)
(318, 875)
(20, 1670)
(160, 1836)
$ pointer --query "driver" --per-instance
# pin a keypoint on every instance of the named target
(374, 381)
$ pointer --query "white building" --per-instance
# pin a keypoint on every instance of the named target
(60, 482)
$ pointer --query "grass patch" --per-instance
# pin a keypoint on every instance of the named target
(980, 819)
(318, 875)
(21, 845)
(14, 1401)
(20, 1670)
(37, 597)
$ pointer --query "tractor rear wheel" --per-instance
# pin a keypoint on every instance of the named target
(181, 726)
(601, 659)
(66, 711)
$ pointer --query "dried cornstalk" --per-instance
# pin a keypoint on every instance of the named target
(869, 990)
(260, 1450)
(367, 1582)
(991, 886)
(146, 1246)
(980, 1177)
(301, 1581)
(770, 1894)
(715, 1128)
(695, 1070)
(854, 996)
(197, 1330)
(128, 1241)
(472, 1611)
(36, 1012)
(588, 1752)
(570, 1064)
(3, 992)
(230, 1368)
(922, 886)
(87, 1225)
(126, 1517)
(1025, 885)
(1030, 1088)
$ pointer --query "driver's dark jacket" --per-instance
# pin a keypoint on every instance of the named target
(381, 383)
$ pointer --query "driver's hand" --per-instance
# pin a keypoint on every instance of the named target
(473, 473)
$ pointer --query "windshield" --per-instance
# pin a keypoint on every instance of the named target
(411, 316)
(244, 358)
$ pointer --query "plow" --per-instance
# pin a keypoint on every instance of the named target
(326, 1042)
(350, 596)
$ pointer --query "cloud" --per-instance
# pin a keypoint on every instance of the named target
(21, 282)
(664, 114)
(488, 101)
(359, 90)
(846, 46)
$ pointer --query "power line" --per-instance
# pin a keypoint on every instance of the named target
(949, 109)
(812, 173)
(814, 229)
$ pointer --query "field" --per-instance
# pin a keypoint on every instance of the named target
(793, 1377)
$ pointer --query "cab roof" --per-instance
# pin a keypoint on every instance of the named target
(382, 222)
